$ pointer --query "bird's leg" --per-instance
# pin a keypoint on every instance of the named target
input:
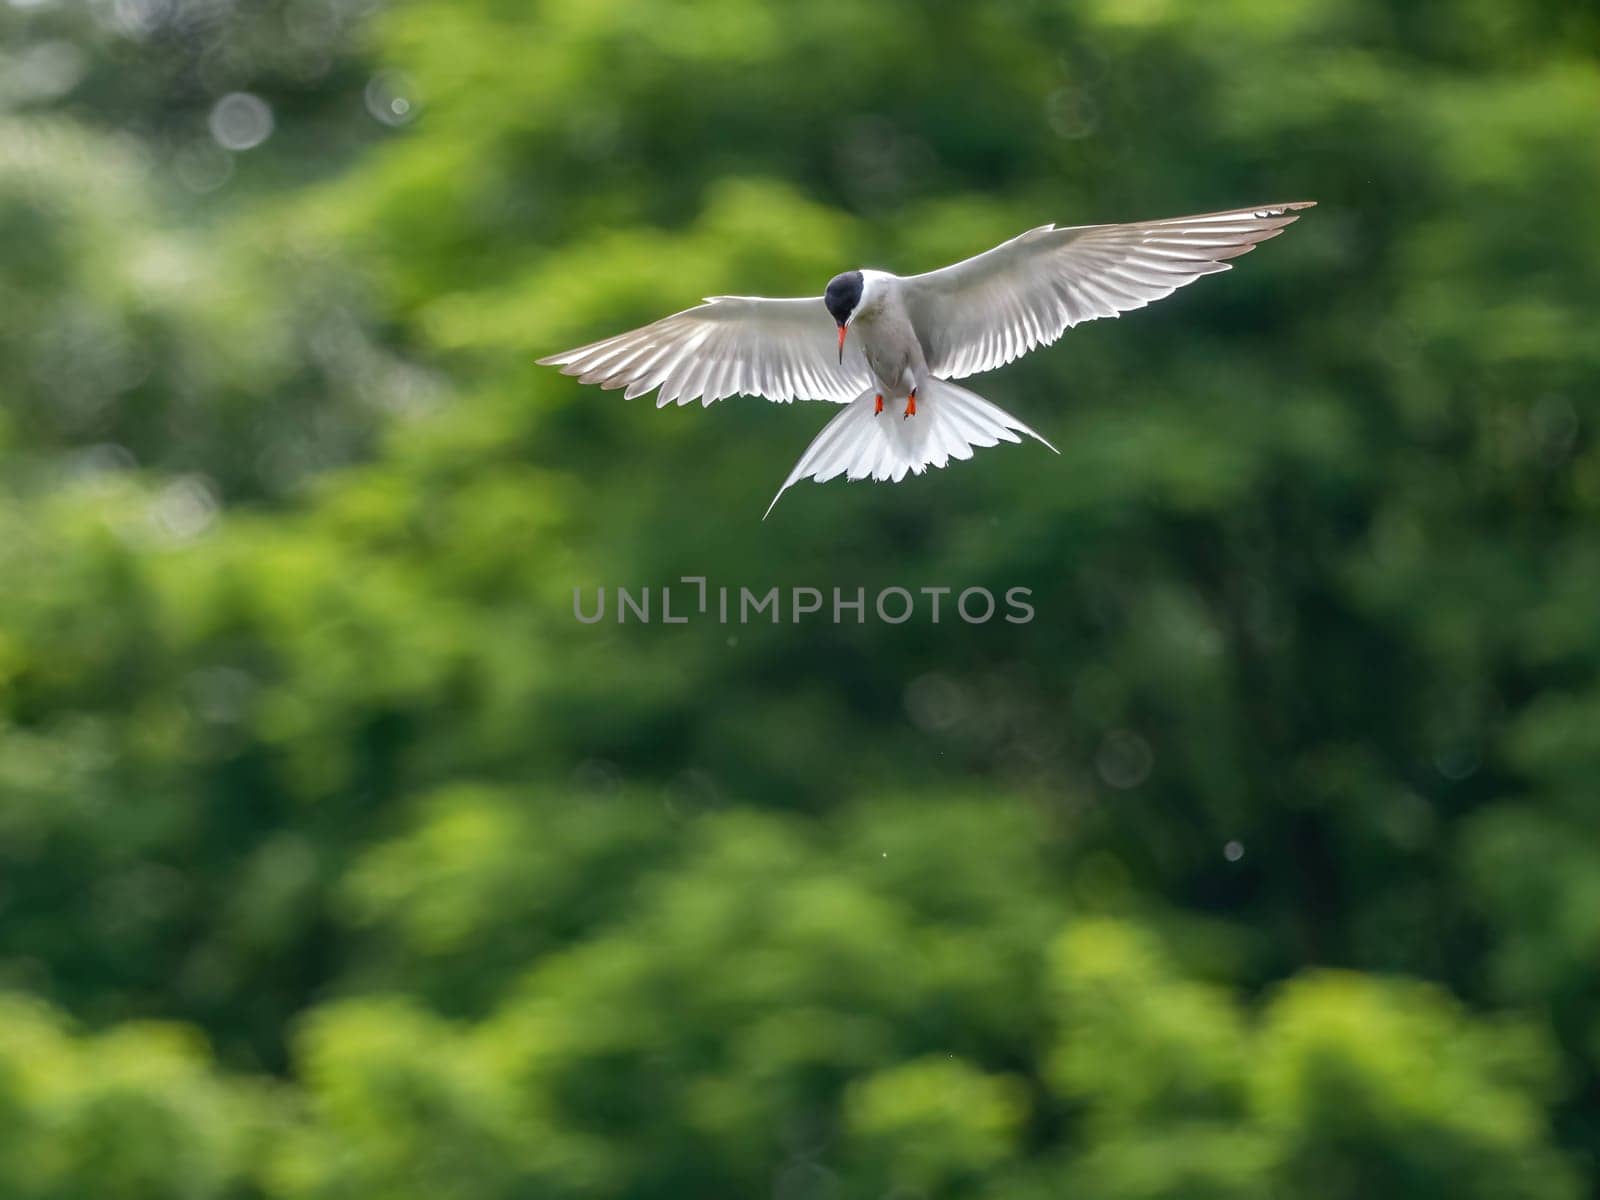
(878, 403)
(911, 405)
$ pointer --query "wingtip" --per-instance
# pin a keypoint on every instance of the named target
(1037, 436)
(1021, 427)
(795, 477)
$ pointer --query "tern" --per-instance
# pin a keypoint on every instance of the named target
(915, 335)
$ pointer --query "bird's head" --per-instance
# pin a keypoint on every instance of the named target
(843, 298)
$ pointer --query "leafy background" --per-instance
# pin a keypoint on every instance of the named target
(338, 861)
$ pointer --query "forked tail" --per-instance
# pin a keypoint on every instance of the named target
(950, 421)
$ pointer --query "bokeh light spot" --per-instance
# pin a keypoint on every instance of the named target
(391, 98)
(185, 509)
(1124, 759)
(240, 121)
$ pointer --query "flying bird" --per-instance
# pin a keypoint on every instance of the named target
(915, 335)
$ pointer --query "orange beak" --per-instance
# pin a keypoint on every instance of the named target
(842, 331)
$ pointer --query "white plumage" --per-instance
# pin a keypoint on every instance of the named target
(860, 444)
(727, 346)
(916, 332)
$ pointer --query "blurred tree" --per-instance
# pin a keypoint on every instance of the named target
(243, 358)
(299, 742)
(839, 1030)
(133, 1114)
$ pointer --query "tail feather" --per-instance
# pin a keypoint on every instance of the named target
(950, 423)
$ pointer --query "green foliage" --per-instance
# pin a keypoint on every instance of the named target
(136, 1113)
(1261, 863)
(1395, 1095)
(1142, 1046)
(241, 358)
(937, 1126)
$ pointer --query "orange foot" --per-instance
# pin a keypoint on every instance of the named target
(878, 401)
(911, 404)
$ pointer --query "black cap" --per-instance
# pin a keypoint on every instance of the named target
(843, 294)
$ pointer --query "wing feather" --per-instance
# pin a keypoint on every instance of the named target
(981, 313)
(783, 349)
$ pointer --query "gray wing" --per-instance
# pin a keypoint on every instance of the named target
(731, 345)
(982, 313)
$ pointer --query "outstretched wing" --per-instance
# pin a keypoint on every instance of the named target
(982, 313)
(731, 345)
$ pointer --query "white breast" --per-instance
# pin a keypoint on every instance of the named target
(890, 344)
